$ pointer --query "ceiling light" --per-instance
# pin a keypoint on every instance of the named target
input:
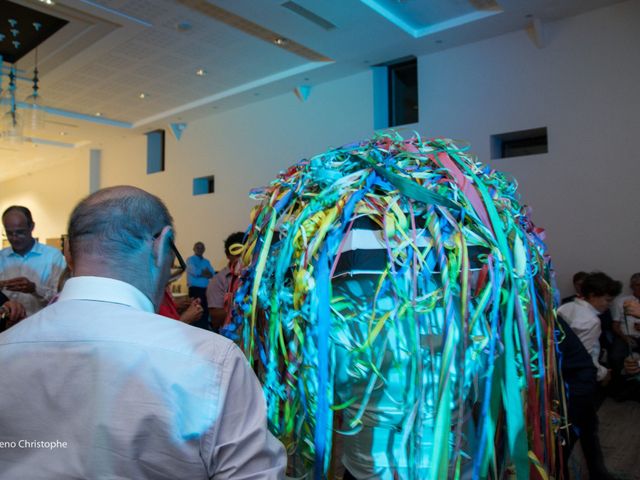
(48, 2)
(98, 114)
(143, 95)
(201, 72)
(63, 134)
(280, 41)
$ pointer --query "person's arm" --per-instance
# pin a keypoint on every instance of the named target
(632, 307)
(47, 288)
(241, 445)
(192, 269)
(11, 311)
(619, 325)
(217, 316)
(208, 271)
(215, 300)
(193, 312)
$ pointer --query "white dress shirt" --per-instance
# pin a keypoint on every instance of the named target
(627, 322)
(43, 265)
(585, 323)
(123, 393)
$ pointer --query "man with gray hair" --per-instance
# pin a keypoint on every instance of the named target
(116, 390)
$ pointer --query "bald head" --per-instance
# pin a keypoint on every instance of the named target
(112, 231)
(114, 222)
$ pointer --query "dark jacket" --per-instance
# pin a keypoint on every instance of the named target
(575, 363)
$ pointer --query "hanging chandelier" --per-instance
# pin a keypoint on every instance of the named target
(14, 120)
(22, 29)
(17, 117)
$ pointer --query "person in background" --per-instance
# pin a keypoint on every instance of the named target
(199, 272)
(119, 391)
(578, 278)
(11, 312)
(607, 333)
(221, 285)
(625, 325)
(29, 270)
(625, 351)
(169, 308)
(582, 371)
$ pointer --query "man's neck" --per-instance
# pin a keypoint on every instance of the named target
(23, 252)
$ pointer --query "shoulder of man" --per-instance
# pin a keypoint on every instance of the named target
(39, 247)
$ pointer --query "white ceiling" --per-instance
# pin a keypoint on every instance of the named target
(113, 50)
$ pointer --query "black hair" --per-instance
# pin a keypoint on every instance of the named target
(579, 277)
(23, 210)
(236, 237)
(598, 284)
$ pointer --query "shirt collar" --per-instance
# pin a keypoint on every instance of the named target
(36, 249)
(102, 289)
(586, 304)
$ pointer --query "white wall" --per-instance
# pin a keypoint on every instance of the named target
(244, 148)
(50, 194)
(583, 86)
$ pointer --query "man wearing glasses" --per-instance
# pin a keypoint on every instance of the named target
(29, 270)
(118, 390)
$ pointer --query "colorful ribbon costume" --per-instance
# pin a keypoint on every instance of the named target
(410, 270)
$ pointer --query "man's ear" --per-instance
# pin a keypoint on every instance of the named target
(66, 251)
(161, 246)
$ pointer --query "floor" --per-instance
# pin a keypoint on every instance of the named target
(620, 440)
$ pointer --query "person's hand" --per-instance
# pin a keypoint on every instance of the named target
(631, 365)
(193, 312)
(14, 311)
(182, 303)
(206, 273)
(632, 307)
(607, 378)
(20, 284)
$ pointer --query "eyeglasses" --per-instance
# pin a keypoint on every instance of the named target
(182, 266)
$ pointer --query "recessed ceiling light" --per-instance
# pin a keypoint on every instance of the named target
(143, 95)
(98, 114)
(201, 72)
(48, 2)
(63, 133)
(280, 41)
